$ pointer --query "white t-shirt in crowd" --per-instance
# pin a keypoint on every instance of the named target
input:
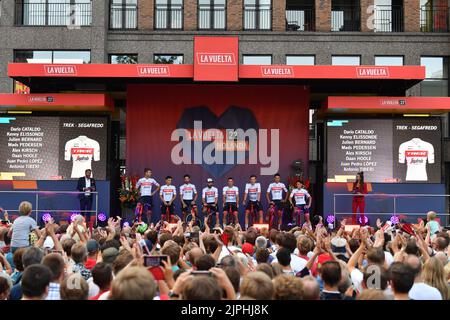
(416, 153)
(145, 185)
(297, 263)
(167, 192)
(276, 190)
(210, 194)
(252, 191)
(230, 194)
(357, 278)
(423, 291)
(300, 196)
(81, 150)
(187, 191)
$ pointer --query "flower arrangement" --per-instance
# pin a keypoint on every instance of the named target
(128, 192)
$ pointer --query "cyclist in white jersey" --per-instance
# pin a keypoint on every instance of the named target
(167, 194)
(145, 187)
(253, 193)
(300, 195)
(230, 201)
(188, 197)
(210, 197)
(276, 200)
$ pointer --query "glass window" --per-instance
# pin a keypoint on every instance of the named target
(257, 14)
(300, 60)
(257, 60)
(389, 60)
(169, 14)
(71, 57)
(123, 14)
(436, 73)
(123, 58)
(212, 14)
(168, 59)
(345, 60)
(57, 56)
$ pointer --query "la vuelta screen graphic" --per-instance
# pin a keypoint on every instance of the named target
(216, 131)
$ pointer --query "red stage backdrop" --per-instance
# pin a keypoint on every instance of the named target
(216, 131)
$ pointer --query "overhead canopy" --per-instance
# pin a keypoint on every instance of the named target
(320, 79)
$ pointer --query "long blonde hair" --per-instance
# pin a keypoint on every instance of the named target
(433, 274)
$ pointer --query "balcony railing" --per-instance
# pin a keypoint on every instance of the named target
(345, 18)
(211, 19)
(257, 19)
(388, 19)
(300, 19)
(123, 16)
(434, 19)
(169, 18)
(53, 14)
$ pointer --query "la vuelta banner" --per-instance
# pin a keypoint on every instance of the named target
(216, 131)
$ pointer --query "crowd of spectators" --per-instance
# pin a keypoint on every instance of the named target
(73, 261)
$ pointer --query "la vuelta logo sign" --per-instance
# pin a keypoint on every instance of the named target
(60, 70)
(277, 72)
(153, 71)
(224, 59)
(372, 72)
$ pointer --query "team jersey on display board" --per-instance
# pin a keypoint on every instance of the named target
(210, 194)
(252, 191)
(145, 185)
(300, 196)
(187, 191)
(81, 150)
(276, 190)
(167, 192)
(230, 194)
(416, 153)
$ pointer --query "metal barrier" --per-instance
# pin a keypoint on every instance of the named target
(48, 202)
(394, 202)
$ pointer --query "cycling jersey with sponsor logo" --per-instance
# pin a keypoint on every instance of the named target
(276, 190)
(187, 191)
(230, 194)
(81, 150)
(300, 196)
(252, 191)
(210, 194)
(146, 185)
(416, 153)
(167, 192)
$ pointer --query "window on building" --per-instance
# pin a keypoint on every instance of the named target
(300, 15)
(345, 60)
(257, 59)
(123, 58)
(54, 12)
(123, 14)
(257, 14)
(296, 60)
(52, 56)
(169, 14)
(389, 60)
(212, 14)
(168, 59)
(436, 82)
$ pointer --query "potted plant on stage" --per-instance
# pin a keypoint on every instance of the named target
(128, 196)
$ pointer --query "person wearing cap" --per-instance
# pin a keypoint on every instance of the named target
(92, 248)
(109, 255)
(210, 198)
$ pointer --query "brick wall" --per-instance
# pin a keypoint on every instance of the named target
(234, 15)
(145, 14)
(323, 15)
(190, 14)
(367, 15)
(411, 15)
(279, 15)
